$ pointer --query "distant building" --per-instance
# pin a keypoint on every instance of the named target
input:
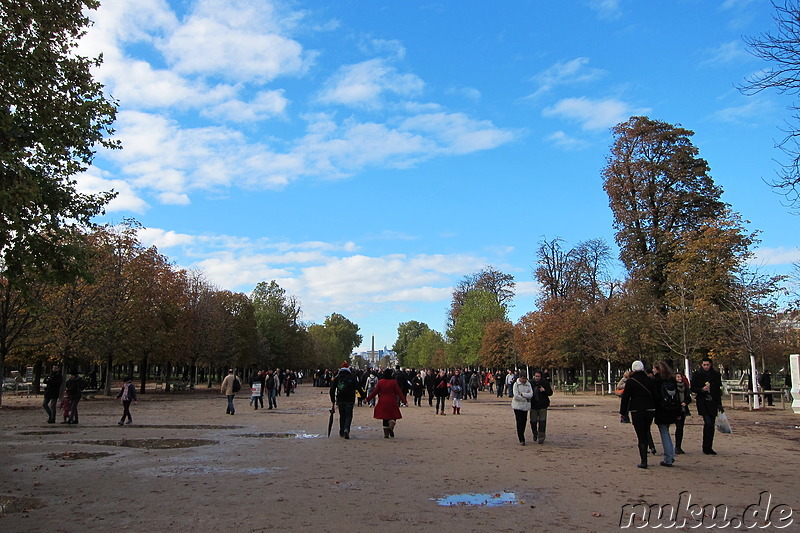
(375, 357)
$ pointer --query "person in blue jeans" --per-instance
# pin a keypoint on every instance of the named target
(227, 389)
(668, 407)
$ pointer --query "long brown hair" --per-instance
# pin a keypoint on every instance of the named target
(664, 371)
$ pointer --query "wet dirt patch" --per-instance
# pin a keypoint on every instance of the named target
(279, 435)
(153, 444)
(16, 504)
(205, 470)
(183, 426)
(75, 456)
(45, 432)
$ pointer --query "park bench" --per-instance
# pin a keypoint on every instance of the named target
(179, 386)
(570, 388)
(750, 394)
(601, 388)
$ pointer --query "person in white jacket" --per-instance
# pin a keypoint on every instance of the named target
(521, 403)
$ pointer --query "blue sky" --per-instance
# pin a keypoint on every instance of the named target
(368, 155)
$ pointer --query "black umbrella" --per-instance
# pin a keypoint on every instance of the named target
(330, 421)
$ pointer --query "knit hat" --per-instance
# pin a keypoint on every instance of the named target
(345, 365)
(637, 366)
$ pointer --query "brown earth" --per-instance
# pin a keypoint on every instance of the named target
(185, 464)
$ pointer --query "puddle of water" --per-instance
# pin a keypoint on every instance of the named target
(75, 456)
(13, 504)
(474, 499)
(47, 432)
(280, 435)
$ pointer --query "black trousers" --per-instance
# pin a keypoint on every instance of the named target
(522, 422)
(642, 420)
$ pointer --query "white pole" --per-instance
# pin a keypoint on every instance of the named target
(794, 369)
(686, 370)
(754, 382)
(610, 385)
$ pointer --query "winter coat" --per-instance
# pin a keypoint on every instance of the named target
(664, 416)
(456, 387)
(441, 390)
(53, 382)
(131, 395)
(541, 399)
(387, 391)
(638, 394)
(523, 392)
(345, 386)
(708, 403)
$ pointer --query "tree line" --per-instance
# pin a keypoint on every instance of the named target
(689, 288)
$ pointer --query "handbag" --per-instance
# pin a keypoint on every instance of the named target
(723, 425)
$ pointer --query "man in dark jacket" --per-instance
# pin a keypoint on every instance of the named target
(74, 387)
(707, 385)
(539, 404)
(51, 394)
(343, 393)
(765, 380)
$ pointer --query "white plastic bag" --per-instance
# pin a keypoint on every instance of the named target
(723, 425)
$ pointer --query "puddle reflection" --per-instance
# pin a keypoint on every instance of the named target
(474, 499)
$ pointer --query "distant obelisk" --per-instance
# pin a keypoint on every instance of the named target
(373, 344)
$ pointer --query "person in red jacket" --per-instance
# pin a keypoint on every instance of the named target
(387, 409)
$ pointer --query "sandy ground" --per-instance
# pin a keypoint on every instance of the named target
(252, 473)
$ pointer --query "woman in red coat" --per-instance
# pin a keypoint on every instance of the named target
(387, 408)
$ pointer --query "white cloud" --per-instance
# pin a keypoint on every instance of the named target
(364, 84)
(164, 239)
(266, 104)
(593, 114)
(457, 133)
(753, 111)
(571, 72)
(237, 38)
(606, 9)
(776, 256)
(565, 141)
(726, 54)
(126, 200)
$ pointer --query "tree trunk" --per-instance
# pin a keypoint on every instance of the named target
(143, 375)
(109, 362)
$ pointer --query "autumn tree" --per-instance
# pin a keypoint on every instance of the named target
(659, 190)
(53, 116)
(498, 345)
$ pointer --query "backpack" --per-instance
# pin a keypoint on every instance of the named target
(669, 400)
(271, 381)
(346, 385)
(237, 385)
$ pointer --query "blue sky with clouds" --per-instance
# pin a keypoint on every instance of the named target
(368, 154)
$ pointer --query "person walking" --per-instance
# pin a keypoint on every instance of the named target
(685, 398)
(271, 383)
(765, 380)
(441, 391)
(74, 389)
(229, 389)
(417, 388)
(668, 407)
(344, 388)
(51, 393)
(456, 385)
(387, 409)
(430, 385)
(521, 404)
(539, 404)
(707, 386)
(127, 394)
(638, 399)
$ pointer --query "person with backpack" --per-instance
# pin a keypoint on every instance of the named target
(230, 386)
(271, 383)
(668, 407)
(638, 399)
(343, 393)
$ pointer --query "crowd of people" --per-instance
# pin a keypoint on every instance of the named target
(662, 396)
